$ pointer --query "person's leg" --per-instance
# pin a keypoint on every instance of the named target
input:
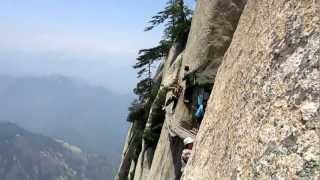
(199, 123)
(186, 92)
(188, 95)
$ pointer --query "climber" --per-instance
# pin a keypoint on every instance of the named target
(176, 91)
(199, 111)
(186, 153)
(189, 78)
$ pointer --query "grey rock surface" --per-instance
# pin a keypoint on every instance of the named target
(264, 116)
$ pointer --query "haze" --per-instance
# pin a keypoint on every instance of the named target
(89, 40)
(66, 67)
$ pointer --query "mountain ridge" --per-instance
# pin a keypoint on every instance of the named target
(29, 156)
(57, 106)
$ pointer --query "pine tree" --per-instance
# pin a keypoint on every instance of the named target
(176, 18)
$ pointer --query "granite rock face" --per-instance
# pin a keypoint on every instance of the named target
(213, 25)
(263, 119)
(263, 116)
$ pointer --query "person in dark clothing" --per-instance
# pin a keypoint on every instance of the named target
(176, 91)
(189, 78)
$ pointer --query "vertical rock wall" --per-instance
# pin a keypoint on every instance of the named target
(213, 25)
(163, 163)
(211, 33)
(126, 157)
(170, 71)
(263, 119)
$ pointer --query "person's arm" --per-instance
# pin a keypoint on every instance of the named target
(183, 156)
(187, 154)
(184, 77)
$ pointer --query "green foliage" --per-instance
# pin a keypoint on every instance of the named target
(136, 111)
(144, 88)
(139, 109)
(152, 54)
(176, 18)
(152, 135)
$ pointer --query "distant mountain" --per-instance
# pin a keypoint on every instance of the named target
(28, 156)
(60, 107)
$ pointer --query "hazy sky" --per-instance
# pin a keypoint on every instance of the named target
(94, 40)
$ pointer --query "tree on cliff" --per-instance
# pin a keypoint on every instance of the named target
(176, 18)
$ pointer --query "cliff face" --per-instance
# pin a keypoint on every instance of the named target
(211, 33)
(263, 116)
